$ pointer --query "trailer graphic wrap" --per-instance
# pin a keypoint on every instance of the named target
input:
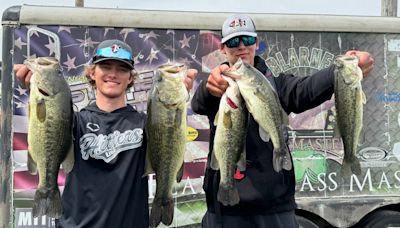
(317, 154)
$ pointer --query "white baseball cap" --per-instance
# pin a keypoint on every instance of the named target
(238, 25)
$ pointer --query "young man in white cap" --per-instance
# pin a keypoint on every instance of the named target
(266, 197)
(106, 187)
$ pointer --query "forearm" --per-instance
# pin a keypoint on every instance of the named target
(298, 94)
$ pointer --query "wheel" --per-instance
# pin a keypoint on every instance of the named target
(305, 223)
(381, 219)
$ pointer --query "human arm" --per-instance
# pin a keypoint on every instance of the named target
(298, 94)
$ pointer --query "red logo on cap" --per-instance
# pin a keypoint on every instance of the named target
(238, 23)
(114, 48)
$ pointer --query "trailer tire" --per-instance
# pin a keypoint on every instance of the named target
(305, 223)
(381, 219)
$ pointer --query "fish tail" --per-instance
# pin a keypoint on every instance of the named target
(350, 166)
(162, 211)
(281, 159)
(47, 202)
(228, 195)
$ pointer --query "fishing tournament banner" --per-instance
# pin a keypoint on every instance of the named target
(317, 154)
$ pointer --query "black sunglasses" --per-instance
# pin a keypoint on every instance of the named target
(235, 41)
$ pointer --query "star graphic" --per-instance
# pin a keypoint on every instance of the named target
(64, 28)
(34, 32)
(87, 42)
(148, 35)
(170, 31)
(137, 57)
(19, 105)
(21, 91)
(185, 61)
(106, 30)
(185, 41)
(51, 46)
(170, 48)
(18, 43)
(152, 55)
(70, 63)
(126, 32)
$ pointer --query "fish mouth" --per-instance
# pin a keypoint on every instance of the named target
(43, 92)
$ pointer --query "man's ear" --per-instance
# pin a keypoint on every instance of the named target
(222, 48)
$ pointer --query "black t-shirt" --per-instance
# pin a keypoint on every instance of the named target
(106, 187)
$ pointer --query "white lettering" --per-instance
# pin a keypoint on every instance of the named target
(331, 178)
(384, 180)
(321, 179)
(25, 219)
(306, 181)
(107, 147)
(188, 184)
(361, 187)
(397, 176)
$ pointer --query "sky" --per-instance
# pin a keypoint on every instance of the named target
(333, 7)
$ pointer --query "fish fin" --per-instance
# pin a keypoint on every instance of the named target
(178, 119)
(336, 131)
(285, 118)
(68, 163)
(263, 134)
(281, 159)
(241, 164)
(286, 160)
(32, 166)
(179, 175)
(350, 167)
(363, 97)
(227, 120)
(228, 195)
(161, 211)
(214, 162)
(216, 119)
(148, 168)
(41, 110)
(47, 202)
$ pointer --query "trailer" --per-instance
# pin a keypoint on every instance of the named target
(298, 44)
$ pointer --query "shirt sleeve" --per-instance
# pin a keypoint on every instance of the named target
(298, 94)
(204, 103)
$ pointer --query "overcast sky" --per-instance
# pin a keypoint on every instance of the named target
(337, 7)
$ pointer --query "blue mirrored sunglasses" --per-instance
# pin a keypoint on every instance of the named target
(119, 53)
(235, 41)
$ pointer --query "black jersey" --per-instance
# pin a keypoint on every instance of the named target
(106, 187)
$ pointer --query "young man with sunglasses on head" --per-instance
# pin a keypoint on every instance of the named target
(266, 197)
(106, 187)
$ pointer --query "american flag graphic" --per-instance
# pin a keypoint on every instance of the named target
(74, 47)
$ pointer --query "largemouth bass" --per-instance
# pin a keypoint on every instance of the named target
(229, 142)
(49, 132)
(263, 103)
(349, 100)
(166, 134)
